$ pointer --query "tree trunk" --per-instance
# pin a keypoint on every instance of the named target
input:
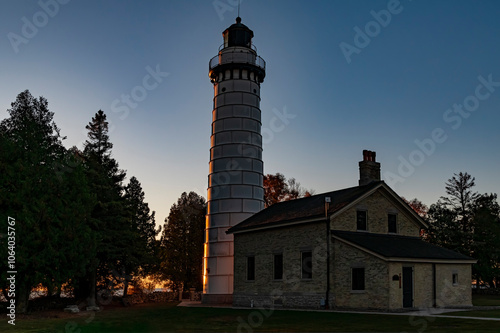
(91, 298)
(23, 294)
(125, 287)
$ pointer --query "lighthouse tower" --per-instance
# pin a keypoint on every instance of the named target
(235, 189)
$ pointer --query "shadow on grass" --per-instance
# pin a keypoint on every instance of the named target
(485, 300)
(482, 313)
(169, 318)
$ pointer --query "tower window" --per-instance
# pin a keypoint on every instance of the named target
(358, 278)
(392, 225)
(361, 220)
(307, 265)
(250, 268)
(278, 266)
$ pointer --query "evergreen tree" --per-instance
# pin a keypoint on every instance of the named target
(486, 239)
(139, 257)
(444, 229)
(182, 242)
(451, 216)
(51, 209)
(468, 223)
(461, 198)
(109, 214)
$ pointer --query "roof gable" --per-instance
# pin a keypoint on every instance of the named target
(303, 209)
(391, 196)
(312, 208)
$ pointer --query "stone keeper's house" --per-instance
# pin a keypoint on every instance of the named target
(360, 250)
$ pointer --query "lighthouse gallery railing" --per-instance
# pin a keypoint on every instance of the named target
(238, 57)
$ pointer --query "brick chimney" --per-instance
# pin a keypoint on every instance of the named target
(369, 169)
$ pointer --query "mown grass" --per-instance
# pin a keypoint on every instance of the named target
(169, 318)
(482, 313)
(485, 300)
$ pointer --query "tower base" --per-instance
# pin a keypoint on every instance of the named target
(220, 299)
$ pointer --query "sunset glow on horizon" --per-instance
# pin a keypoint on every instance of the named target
(416, 81)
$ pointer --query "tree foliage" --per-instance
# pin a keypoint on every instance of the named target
(418, 206)
(109, 214)
(182, 242)
(277, 188)
(469, 223)
(52, 209)
(139, 256)
(486, 239)
(76, 221)
(461, 198)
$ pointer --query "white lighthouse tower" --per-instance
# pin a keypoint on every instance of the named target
(235, 189)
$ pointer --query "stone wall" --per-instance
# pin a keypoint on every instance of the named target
(292, 290)
(377, 206)
(381, 291)
(395, 291)
(422, 285)
(376, 293)
(449, 294)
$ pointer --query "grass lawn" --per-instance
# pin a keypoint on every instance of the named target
(485, 313)
(486, 300)
(169, 318)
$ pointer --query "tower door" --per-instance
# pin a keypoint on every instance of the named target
(407, 287)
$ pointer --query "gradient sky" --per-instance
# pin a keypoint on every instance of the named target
(397, 87)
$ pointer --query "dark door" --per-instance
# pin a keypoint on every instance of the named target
(407, 287)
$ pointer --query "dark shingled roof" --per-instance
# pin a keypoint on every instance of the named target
(303, 209)
(395, 246)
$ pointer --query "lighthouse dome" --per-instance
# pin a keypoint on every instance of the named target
(238, 34)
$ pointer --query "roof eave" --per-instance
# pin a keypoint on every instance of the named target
(280, 224)
(404, 259)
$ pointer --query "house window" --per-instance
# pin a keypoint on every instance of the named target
(361, 220)
(307, 265)
(278, 266)
(455, 279)
(250, 268)
(392, 224)
(358, 278)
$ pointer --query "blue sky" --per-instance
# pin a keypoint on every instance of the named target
(397, 88)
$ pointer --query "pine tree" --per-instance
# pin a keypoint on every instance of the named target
(469, 223)
(444, 229)
(139, 256)
(461, 198)
(109, 214)
(51, 208)
(182, 242)
(486, 239)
